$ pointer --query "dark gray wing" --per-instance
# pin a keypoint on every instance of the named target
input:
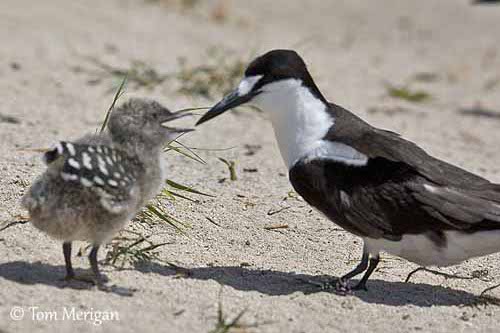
(387, 199)
(111, 173)
(401, 190)
(375, 142)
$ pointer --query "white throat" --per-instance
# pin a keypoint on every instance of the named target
(299, 119)
(300, 122)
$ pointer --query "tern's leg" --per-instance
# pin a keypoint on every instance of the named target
(373, 264)
(342, 284)
(70, 273)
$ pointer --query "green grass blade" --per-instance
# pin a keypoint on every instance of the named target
(175, 194)
(168, 219)
(118, 94)
(182, 152)
(193, 109)
(186, 188)
(167, 194)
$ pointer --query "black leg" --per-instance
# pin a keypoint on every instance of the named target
(70, 274)
(373, 264)
(95, 267)
(359, 269)
(342, 284)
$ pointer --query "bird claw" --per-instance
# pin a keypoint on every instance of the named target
(342, 287)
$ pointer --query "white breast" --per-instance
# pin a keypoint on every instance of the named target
(300, 122)
(299, 119)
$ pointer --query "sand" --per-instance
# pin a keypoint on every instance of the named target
(355, 49)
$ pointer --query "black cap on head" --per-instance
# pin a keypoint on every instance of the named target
(281, 64)
(278, 64)
(272, 66)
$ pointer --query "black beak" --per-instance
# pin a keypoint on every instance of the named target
(230, 101)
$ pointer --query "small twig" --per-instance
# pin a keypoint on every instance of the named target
(488, 289)
(272, 212)
(446, 275)
(212, 221)
(231, 166)
(278, 226)
(9, 119)
(22, 221)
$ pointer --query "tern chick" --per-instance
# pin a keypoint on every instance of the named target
(93, 186)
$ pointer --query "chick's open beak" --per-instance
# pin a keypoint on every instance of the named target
(174, 116)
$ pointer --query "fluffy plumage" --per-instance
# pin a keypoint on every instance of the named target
(93, 186)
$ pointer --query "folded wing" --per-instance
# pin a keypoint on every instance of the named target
(110, 173)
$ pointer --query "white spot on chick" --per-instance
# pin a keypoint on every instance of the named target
(85, 182)
(71, 149)
(87, 161)
(98, 180)
(102, 165)
(68, 176)
(74, 163)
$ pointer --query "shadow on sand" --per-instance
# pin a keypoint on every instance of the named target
(40, 273)
(276, 283)
(269, 282)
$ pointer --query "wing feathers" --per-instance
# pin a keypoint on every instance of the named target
(377, 143)
(461, 207)
(110, 173)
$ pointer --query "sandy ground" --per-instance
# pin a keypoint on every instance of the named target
(354, 48)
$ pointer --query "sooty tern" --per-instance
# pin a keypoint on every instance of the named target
(92, 187)
(370, 181)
